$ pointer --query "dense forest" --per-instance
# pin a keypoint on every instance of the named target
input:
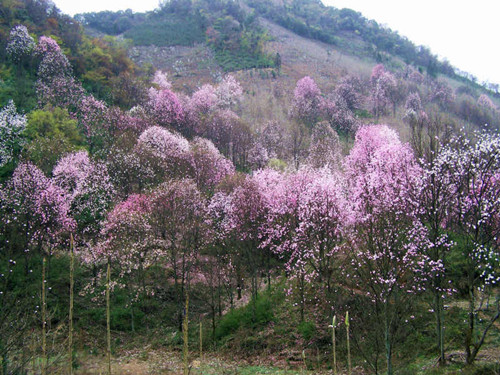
(355, 232)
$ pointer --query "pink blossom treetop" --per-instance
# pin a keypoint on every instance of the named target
(337, 113)
(12, 126)
(209, 165)
(377, 71)
(199, 108)
(161, 79)
(382, 93)
(306, 103)
(413, 103)
(92, 118)
(247, 214)
(53, 61)
(168, 153)
(89, 189)
(165, 108)
(257, 156)
(348, 91)
(485, 102)
(46, 45)
(35, 210)
(20, 44)
(272, 139)
(55, 84)
(163, 143)
(441, 93)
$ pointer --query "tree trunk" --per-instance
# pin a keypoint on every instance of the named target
(388, 344)
(185, 348)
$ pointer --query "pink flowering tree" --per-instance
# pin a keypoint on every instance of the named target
(348, 90)
(384, 236)
(200, 107)
(382, 95)
(284, 194)
(89, 190)
(210, 167)
(56, 85)
(180, 231)
(127, 243)
(168, 153)
(306, 103)
(130, 172)
(257, 156)
(272, 138)
(419, 123)
(441, 94)
(35, 212)
(228, 92)
(94, 122)
(485, 102)
(377, 72)
(12, 126)
(324, 149)
(336, 111)
(247, 214)
(164, 107)
(436, 197)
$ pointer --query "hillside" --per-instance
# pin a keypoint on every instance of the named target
(242, 187)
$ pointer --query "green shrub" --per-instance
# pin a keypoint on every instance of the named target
(307, 330)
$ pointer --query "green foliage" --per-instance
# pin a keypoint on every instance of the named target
(51, 134)
(167, 30)
(307, 330)
(256, 314)
(56, 122)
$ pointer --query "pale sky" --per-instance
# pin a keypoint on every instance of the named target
(464, 32)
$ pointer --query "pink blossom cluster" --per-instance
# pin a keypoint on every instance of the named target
(36, 208)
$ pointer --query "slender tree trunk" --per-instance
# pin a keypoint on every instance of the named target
(71, 285)
(388, 344)
(108, 317)
(185, 336)
(201, 340)
(44, 323)
(470, 321)
(439, 313)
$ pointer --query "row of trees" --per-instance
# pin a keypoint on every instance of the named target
(153, 193)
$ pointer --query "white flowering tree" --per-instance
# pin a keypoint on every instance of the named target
(12, 126)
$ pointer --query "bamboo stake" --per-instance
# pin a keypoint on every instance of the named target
(71, 285)
(334, 322)
(108, 318)
(348, 345)
(44, 323)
